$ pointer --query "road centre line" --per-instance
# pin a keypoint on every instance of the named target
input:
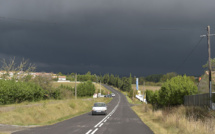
(94, 131)
(105, 119)
(89, 131)
(101, 124)
(109, 113)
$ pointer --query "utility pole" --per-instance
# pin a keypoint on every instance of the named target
(209, 62)
(100, 86)
(143, 89)
(75, 86)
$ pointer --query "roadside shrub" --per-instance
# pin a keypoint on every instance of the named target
(12, 92)
(54, 94)
(66, 91)
(130, 94)
(172, 92)
(149, 94)
(85, 89)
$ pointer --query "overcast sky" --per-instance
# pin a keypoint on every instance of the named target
(141, 37)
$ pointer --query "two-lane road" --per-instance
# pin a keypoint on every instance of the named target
(119, 120)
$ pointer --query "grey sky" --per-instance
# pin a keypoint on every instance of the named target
(141, 37)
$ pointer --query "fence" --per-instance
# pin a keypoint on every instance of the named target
(198, 100)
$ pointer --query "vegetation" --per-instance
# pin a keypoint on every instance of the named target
(179, 119)
(48, 111)
(154, 77)
(172, 92)
(24, 87)
(85, 89)
(168, 76)
(16, 92)
(146, 87)
(212, 64)
(123, 83)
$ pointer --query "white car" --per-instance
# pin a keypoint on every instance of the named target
(113, 95)
(99, 108)
(102, 95)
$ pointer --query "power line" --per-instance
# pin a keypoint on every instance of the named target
(189, 54)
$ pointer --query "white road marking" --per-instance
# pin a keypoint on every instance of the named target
(100, 125)
(94, 131)
(109, 113)
(105, 119)
(89, 131)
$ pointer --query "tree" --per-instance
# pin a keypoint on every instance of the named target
(149, 94)
(212, 64)
(168, 76)
(126, 86)
(59, 74)
(173, 91)
(86, 89)
(111, 80)
(154, 77)
(106, 78)
(19, 70)
(44, 81)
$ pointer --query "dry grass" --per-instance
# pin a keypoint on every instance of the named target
(175, 120)
(153, 88)
(103, 89)
(72, 84)
(57, 84)
(48, 113)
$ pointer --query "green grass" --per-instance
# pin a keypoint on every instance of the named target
(129, 100)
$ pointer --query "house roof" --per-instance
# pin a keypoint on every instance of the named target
(61, 76)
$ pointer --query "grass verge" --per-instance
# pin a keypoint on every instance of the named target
(153, 88)
(177, 120)
(48, 113)
(71, 84)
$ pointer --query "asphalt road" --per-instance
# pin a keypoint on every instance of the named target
(120, 119)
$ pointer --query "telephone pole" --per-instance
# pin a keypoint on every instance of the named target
(143, 90)
(209, 62)
(100, 86)
(75, 86)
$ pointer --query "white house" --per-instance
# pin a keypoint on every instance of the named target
(61, 78)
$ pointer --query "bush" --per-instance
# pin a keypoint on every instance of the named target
(130, 94)
(12, 92)
(66, 91)
(86, 89)
(149, 95)
(172, 92)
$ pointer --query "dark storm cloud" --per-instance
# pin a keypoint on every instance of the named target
(117, 36)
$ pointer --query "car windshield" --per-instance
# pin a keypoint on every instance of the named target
(99, 105)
